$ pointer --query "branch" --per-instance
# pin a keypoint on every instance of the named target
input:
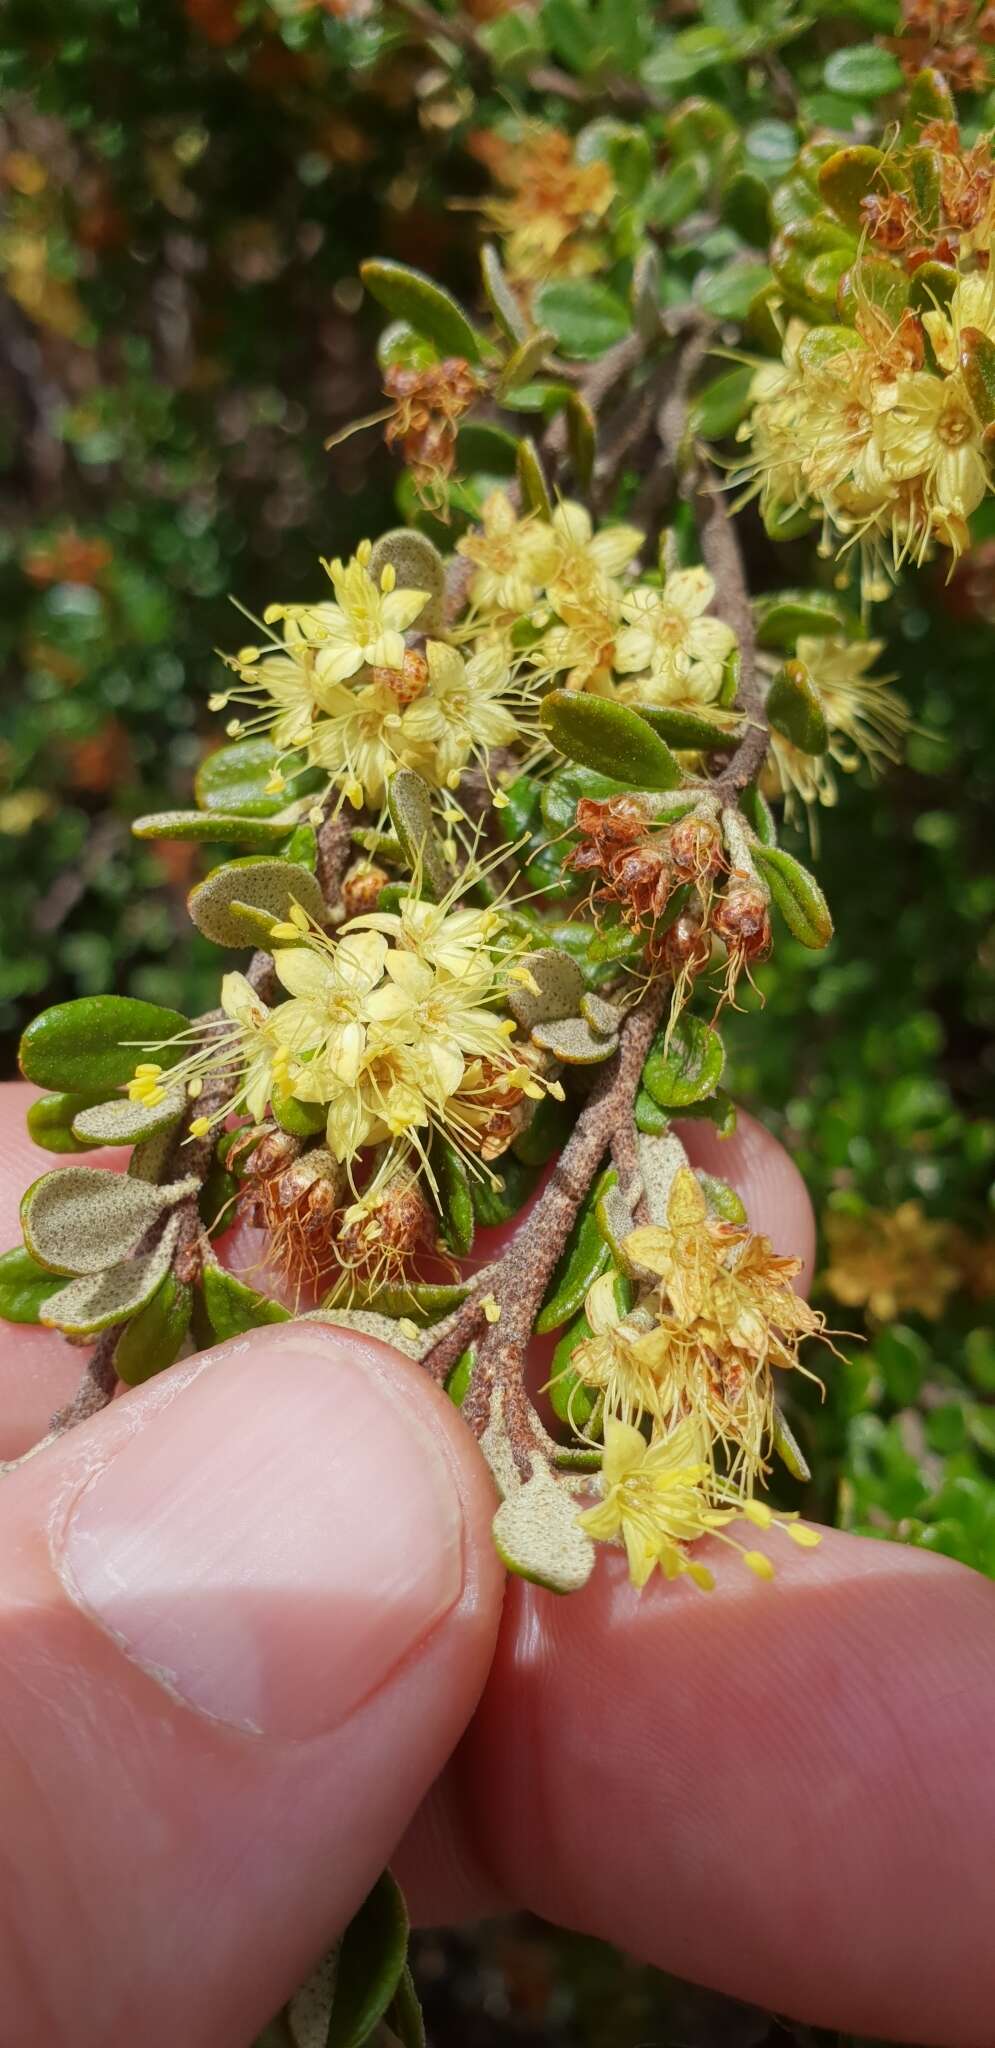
(521, 1279)
(723, 557)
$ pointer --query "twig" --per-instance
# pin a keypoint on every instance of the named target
(520, 1282)
(723, 557)
(334, 848)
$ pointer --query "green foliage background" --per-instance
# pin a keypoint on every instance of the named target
(188, 197)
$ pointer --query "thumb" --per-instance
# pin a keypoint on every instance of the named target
(244, 1617)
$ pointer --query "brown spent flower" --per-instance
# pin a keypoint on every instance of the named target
(361, 886)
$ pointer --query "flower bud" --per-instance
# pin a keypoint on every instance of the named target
(361, 886)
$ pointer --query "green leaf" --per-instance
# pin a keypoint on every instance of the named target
(156, 1335)
(717, 410)
(536, 1532)
(485, 449)
(781, 617)
(729, 293)
(128, 1123)
(409, 801)
(458, 1380)
(222, 827)
(682, 728)
(718, 1109)
(584, 1256)
(404, 2014)
(235, 778)
(91, 1046)
(677, 191)
(875, 278)
(532, 479)
(524, 361)
(797, 895)
(977, 362)
(500, 297)
(371, 1960)
(789, 1449)
(80, 1219)
(455, 1197)
(546, 1132)
(722, 1198)
(758, 814)
(420, 1301)
(581, 436)
(413, 297)
(745, 205)
(25, 1286)
(50, 1121)
(586, 318)
(599, 733)
(233, 1308)
(929, 98)
(266, 887)
(649, 1117)
(498, 1204)
(846, 178)
(794, 708)
(559, 986)
(689, 1069)
(863, 71)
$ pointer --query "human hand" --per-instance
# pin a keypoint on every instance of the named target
(248, 1612)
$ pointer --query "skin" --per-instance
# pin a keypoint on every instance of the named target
(784, 1791)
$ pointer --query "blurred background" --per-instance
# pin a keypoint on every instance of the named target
(187, 192)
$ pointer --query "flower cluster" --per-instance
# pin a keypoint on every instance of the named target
(345, 692)
(856, 427)
(685, 1381)
(866, 721)
(554, 207)
(646, 640)
(393, 1031)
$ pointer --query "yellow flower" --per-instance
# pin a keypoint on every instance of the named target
(367, 622)
(653, 1497)
(279, 686)
(464, 713)
(580, 550)
(512, 557)
(622, 1358)
(582, 637)
(447, 937)
(677, 651)
(890, 1263)
(248, 1053)
(330, 985)
(865, 718)
(972, 304)
(556, 202)
(933, 438)
(659, 1499)
(360, 741)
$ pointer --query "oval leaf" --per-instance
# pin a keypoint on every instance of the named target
(500, 297)
(586, 318)
(498, 1201)
(91, 1045)
(556, 991)
(82, 1218)
(267, 887)
(688, 1069)
(413, 297)
(154, 1338)
(532, 480)
(782, 617)
(409, 801)
(455, 1198)
(417, 565)
(50, 1121)
(236, 778)
(797, 895)
(128, 1123)
(232, 1308)
(610, 738)
(681, 728)
(98, 1300)
(794, 708)
(371, 1960)
(537, 1536)
(261, 834)
(24, 1286)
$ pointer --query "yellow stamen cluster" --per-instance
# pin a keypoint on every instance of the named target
(853, 427)
(685, 1381)
(343, 691)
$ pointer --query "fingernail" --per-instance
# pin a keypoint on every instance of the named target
(275, 1539)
